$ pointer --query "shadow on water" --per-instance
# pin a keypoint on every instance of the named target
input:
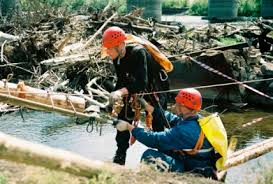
(62, 132)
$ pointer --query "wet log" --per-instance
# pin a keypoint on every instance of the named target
(249, 153)
(61, 100)
(22, 151)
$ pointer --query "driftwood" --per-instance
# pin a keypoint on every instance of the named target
(266, 26)
(91, 100)
(100, 91)
(66, 60)
(197, 53)
(148, 23)
(99, 31)
(55, 100)
(22, 151)
(126, 25)
(7, 37)
(64, 41)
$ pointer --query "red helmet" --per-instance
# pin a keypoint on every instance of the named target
(113, 36)
(190, 98)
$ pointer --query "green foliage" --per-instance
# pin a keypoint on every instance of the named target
(175, 3)
(228, 41)
(2, 180)
(249, 8)
(75, 4)
(199, 7)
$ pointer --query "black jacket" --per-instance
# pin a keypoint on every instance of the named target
(137, 71)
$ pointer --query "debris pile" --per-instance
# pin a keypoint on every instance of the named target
(60, 51)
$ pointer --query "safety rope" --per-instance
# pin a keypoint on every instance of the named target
(68, 100)
(51, 100)
(208, 86)
(228, 77)
(158, 92)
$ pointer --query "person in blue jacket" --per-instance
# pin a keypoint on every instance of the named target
(183, 146)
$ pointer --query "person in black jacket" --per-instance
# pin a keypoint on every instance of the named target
(136, 72)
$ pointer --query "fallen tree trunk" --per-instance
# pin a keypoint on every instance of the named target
(44, 107)
(54, 100)
(22, 151)
(249, 153)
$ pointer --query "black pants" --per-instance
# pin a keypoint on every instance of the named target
(122, 138)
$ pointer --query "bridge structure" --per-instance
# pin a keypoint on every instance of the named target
(217, 9)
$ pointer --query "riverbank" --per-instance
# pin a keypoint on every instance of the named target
(15, 173)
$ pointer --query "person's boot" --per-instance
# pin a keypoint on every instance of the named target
(119, 158)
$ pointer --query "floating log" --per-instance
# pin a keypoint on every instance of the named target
(22, 151)
(54, 100)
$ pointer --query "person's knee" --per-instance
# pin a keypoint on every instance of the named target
(156, 160)
(148, 154)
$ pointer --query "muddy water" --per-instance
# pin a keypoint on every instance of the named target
(62, 132)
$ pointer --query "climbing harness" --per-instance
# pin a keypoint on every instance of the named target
(196, 148)
(213, 129)
(136, 107)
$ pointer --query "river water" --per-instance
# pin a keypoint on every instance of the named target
(62, 132)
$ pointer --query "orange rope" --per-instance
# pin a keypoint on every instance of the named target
(21, 88)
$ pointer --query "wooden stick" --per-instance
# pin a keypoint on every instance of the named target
(22, 151)
(99, 31)
(64, 41)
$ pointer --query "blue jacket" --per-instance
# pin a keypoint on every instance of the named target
(183, 134)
